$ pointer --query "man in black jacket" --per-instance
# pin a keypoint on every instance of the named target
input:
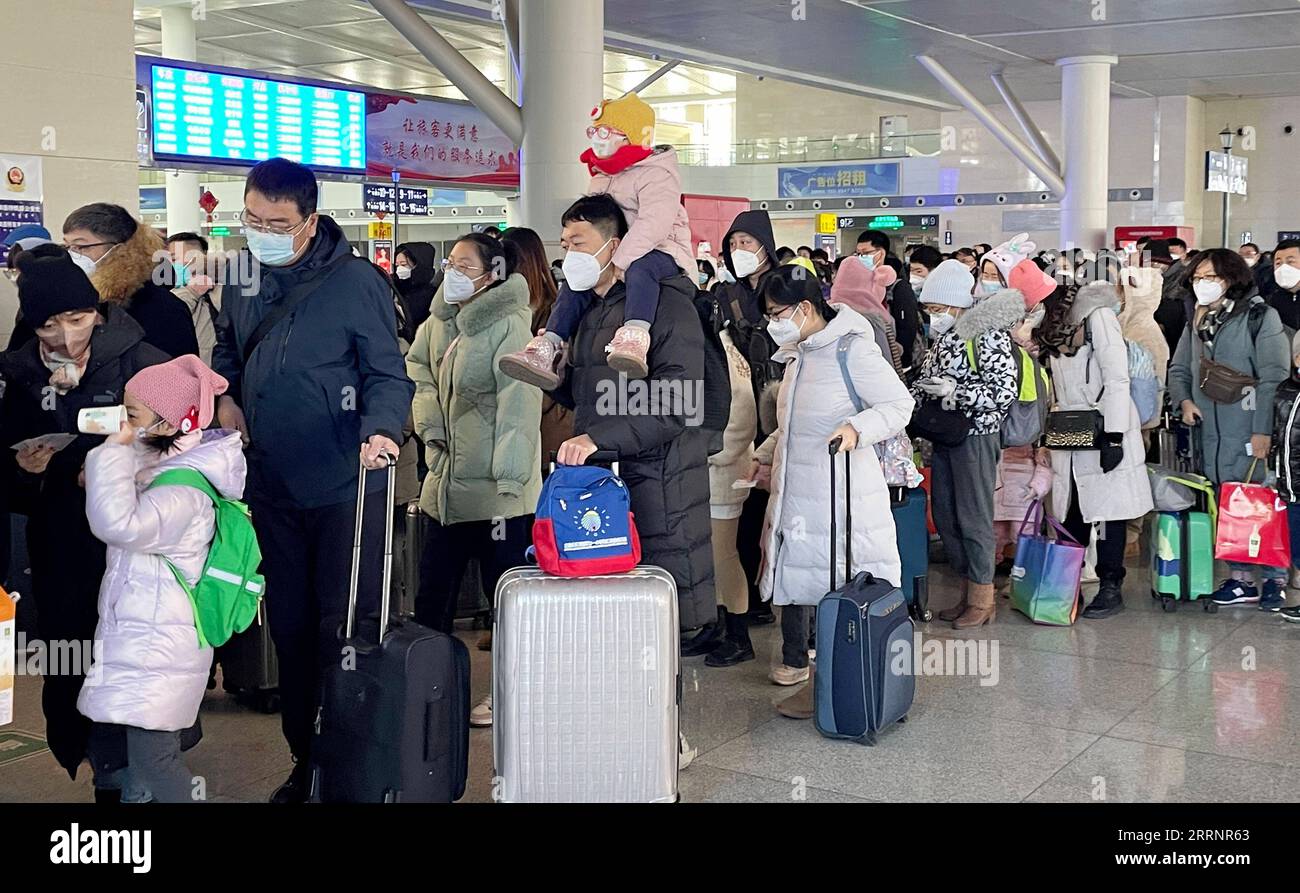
(750, 253)
(316, 379)
(662, 453)
(903, 305)
(1282, 289)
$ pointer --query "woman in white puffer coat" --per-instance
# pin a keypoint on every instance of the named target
(150, 675)
(814, 407)
(1083, 343)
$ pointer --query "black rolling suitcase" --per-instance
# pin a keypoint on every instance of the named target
(393, 726)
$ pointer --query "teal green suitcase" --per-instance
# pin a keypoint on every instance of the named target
(1182, 558)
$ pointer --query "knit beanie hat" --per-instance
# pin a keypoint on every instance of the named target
(1031, 282)
(182, 391)
(50, 283)
(628, 114)
(1010, 253)
(950, 283)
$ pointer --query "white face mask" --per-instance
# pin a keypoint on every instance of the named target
(786, 332)
(1207, 292)
(1287, 276)
(940, 323)
(745, 262)
(605, 148)
(990, 287)
(403, 272)
(87, 265)
(1176, 257)
(917, 283)
(1251, 261)
(458, 288)
(583, 271)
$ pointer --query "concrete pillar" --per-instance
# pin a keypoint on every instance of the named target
(1085, 132)
(180, 42)
(561, 60)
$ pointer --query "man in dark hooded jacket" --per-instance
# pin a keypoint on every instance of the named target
(317, 382)
(749, 247)
(662, 453)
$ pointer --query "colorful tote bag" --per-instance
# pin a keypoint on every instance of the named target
(1045, 579)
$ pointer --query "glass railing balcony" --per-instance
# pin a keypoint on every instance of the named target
(798, 150)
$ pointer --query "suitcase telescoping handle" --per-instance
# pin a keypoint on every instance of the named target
(388, 548)
(834, 448)
(600, 457)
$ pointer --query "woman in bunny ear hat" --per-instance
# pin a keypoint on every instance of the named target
(996, 265)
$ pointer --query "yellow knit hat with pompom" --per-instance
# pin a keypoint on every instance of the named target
(628, 114)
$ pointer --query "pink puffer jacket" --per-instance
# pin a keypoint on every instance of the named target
(650, 194)
(1023, 476)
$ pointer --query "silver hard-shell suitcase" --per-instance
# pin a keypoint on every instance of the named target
(586, 688)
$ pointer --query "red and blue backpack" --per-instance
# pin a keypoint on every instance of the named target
(584, 525)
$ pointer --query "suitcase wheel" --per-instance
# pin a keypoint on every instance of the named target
(868, 739)
(902, 718)
(1169, 605)
(267, 701)
(1211, 606)
(925, 617)
(1155, 596)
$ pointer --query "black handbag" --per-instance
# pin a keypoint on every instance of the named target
(1076, 429)
(942, 427)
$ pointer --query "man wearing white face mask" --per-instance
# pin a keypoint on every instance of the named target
(1232, 330)
(1284, 295)
(317, 381)
(662, 451)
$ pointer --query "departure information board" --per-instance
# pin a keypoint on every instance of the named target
(209, 116)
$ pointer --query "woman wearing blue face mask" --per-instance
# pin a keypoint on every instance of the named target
(707, 275)
(481, 429)
(813, 408)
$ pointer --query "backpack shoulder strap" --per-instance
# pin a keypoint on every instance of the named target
(842, 354)
(186, 477)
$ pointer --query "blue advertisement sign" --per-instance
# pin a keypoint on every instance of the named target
(839, 181)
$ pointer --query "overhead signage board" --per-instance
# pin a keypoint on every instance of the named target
(886, 222)
(199, 115)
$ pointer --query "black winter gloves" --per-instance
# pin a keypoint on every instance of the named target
(1113, 452)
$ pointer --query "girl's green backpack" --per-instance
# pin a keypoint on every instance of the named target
(229, 591)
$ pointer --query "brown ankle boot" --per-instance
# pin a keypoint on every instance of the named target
(981, 609)
(948, 615)
(800, 704)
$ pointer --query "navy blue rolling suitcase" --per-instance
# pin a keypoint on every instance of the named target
(913, 549)
(864, 637)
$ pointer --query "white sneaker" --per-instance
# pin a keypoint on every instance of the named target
(685, 753)
(784, 675)
(481, 715)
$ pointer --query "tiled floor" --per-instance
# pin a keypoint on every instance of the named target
(1144, 706)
